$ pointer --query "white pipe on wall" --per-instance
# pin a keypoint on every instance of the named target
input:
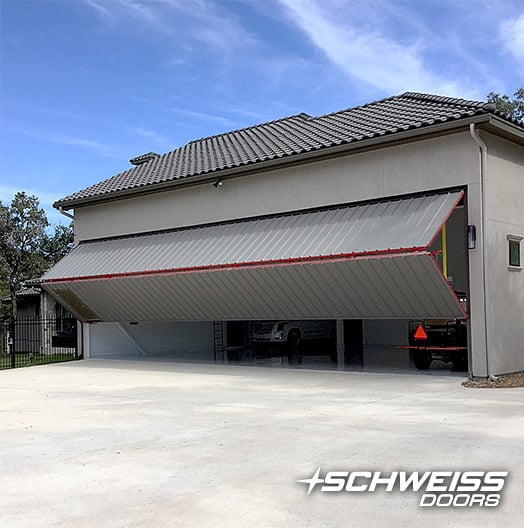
(484, 223)
(65, 213)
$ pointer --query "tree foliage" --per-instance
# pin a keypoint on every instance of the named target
(26, 249)
(513, 107)
(56, 246)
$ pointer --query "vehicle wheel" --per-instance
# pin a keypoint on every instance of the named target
(248, 354)
(460, 364)
(293, 342)
(422, 359)
(332, 344)
(333, 354)
(232, 356)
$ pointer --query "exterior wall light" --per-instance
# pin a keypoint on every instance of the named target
(472, 237)
(218, 183)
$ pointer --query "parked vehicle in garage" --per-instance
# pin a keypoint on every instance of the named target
(446, 341)
(440, 339)
(294, 338)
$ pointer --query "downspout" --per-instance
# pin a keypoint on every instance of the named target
(65, 213)
(484, 222)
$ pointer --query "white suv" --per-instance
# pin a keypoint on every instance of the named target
(292, 334)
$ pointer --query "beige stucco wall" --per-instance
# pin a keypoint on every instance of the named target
(435, 163)
(505, 213)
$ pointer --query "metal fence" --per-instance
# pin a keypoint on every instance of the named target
(37, 341)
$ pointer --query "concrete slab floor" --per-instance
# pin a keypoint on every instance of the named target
(129, 444)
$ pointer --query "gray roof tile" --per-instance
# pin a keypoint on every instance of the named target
(23, 292)
(284, 138)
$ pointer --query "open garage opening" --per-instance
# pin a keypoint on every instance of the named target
(339, 287)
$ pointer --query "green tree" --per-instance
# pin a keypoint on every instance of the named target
(5, 309)
(57, 245)
(26, 249)
(512, 107)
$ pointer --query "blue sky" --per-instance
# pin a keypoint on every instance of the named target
(89, 84)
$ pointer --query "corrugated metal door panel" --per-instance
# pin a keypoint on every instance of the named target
(407, 295)
(394, 287)
(395, 225)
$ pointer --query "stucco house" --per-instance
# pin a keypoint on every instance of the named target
(43, 326)
(408, 208)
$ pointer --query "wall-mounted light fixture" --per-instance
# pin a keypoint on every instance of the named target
(472, 237)
(218, 183)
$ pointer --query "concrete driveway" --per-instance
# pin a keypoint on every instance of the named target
(129, 444)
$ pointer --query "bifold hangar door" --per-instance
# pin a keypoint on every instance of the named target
(362, 261)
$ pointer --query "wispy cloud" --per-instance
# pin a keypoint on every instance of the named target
(96, 146)
(244, 112)
(63, 139)
(198, 21)
(118, 11)
(202, 116)
(155, 138)
(212, 24)
(369, 54)
(7, 193)
(138, 98)
(99, 8)
(147, 12)
(21, 106)
(512, 32)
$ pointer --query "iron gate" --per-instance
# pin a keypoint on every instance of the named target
(29, 341)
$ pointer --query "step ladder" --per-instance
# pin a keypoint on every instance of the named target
(219, 344)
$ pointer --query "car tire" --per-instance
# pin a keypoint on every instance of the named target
(293, 342)
(422, 359)
(332, 346)
(460, 363)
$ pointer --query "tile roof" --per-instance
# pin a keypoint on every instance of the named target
(24, 292)
(283, 138)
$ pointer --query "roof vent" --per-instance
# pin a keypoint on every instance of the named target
(144, 158)
(490, 107)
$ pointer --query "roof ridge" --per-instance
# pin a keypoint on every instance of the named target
(421, 96)
(301, 115)
(479, 105)
(415, 95)
(364, 105)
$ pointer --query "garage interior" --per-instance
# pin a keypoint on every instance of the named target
(363, 271)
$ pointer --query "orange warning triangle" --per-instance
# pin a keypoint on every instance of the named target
(420, 333)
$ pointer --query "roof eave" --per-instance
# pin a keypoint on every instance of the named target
(323, 153)
(506, 128)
